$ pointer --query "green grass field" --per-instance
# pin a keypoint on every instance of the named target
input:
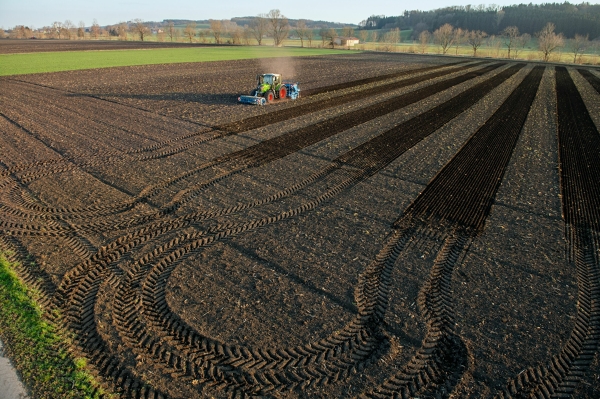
(37, 346)
(19, 64)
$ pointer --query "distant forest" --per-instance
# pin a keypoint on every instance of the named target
(570, 19)
(243, 21)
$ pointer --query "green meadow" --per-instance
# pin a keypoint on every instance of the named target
(37, 345)
(19, 64)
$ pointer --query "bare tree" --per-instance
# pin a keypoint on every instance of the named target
(65, 33)
(160, 35)
(347, 31)
(259, 27)
(444, 37)
(68, 29)
(475, 40)
(140, 28)
(122, 29)
(217, 29)
(95, 30)
(57, 29)
(21, 32)
(548, 41)
(521, 42)
(458, 39)
(236, 35)
(510, 35)
(374, 36)
(309, 34)
(424, 38)
(17, 32)
(190, 31)
(229, 26)
(330, 36)
(279, 26)
(494, 43)
(323, 34)
(301, 31)
(246, 35)
(392, 36)
(171, 30)
(577, 46)
(363, 35)
(81, 30)
(203, 34)
(2, 32)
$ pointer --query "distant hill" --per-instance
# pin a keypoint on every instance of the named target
(242, 21)
(570, 19)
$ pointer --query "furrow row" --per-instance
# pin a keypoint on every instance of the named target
(579, 165)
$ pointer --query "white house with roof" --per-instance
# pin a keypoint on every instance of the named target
(346, 41)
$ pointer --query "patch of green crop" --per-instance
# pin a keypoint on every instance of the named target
(18, 64)
(37, 348)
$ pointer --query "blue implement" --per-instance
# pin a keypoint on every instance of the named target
(252, 100)
(293, 91)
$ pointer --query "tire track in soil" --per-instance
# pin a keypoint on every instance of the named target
(76, 239)
(244, 125)
(579, 166)
(273, 149)
(356, 340)
(590, 77)
(454, 206)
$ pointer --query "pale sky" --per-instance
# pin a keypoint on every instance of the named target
(39, 13)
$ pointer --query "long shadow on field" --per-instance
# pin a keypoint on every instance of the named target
(224, 98)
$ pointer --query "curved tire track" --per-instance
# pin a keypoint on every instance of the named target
(579, 166)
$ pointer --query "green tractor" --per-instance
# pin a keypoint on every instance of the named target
(271, 87)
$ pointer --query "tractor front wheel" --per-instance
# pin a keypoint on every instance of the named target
(282, 92)
(270, 96)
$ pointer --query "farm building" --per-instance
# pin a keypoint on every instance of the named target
(346, 41)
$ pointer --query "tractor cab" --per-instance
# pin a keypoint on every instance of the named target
(272, 79)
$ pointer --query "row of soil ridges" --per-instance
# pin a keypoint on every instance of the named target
(162, 247)
(579, 147)
(470, 180)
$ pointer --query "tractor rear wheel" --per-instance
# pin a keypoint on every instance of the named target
(270, 96)
(282, 92)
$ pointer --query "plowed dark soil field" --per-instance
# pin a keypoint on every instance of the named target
(410, 227)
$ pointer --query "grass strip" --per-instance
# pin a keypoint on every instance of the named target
(19, 64)
(36, 347)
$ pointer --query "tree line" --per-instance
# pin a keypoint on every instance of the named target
(548, 41)
(273, 25)
(569, 19)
